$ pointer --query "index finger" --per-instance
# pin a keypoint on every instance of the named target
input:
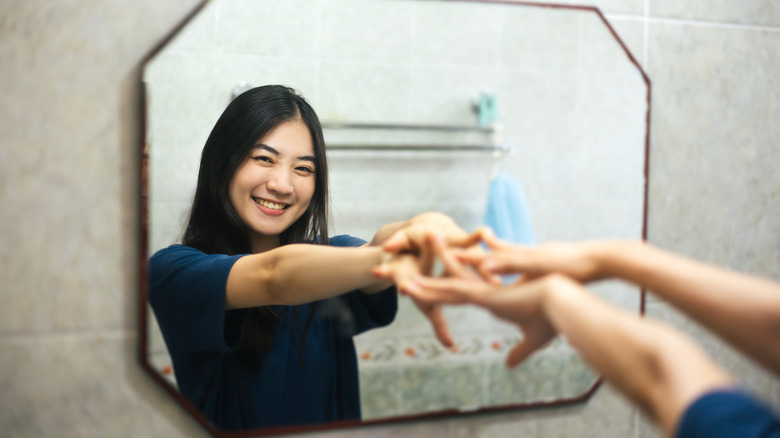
(451, 264)
(399, 241)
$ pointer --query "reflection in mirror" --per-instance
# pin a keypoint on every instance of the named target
(530, 118)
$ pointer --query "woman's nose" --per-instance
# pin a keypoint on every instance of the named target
(279, 182)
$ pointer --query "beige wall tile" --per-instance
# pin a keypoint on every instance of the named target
(84, 385)
(755, 12)
(713, 184)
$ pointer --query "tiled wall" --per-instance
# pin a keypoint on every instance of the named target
(68, 166)
(571, 109)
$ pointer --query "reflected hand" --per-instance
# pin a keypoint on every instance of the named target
(520, 304)
(402, 269)
(412, 236)
(576, 260)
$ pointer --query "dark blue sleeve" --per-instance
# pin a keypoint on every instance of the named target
(728, 413)
(365, 311)
(187, 294)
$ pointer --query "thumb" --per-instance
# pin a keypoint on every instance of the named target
(519, 353)
(440, 326)
(396, 242)
(382, 271)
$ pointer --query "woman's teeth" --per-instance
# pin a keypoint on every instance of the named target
(269, 204)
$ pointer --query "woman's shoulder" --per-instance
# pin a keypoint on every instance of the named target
(180, 256)
(345, 240)
(174, 252)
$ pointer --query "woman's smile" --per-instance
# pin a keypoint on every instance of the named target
(271, 208)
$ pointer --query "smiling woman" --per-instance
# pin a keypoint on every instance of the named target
(245, 304)
(403, 136)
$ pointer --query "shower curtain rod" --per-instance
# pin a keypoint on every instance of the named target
(409, 127)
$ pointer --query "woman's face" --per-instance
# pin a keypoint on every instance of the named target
(274, 186)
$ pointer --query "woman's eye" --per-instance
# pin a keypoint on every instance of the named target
(305, 170)
(263, 158)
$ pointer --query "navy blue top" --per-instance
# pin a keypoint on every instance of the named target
(728, 413)
(187, 294)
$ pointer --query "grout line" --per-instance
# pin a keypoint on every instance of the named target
(680, 21)
(86, 334)
(619, 16)
(646, 42)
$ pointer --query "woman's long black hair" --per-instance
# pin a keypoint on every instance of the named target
(214, 227)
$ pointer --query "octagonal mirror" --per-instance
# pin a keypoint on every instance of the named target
(425, 106)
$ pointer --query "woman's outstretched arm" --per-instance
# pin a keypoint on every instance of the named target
(743, 310)
(301, 273)
(656, 367)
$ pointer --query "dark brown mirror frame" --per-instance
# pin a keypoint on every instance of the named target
(143, 347)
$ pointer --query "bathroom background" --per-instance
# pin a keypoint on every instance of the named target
(70, 118)
(567, 120)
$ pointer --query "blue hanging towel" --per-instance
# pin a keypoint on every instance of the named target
(507, 211)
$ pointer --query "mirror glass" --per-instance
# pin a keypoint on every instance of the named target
(425, 104)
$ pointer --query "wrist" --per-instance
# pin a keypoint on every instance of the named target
(377, 255)
(561, 297)
(378, 279)
(554, 297)
(610, 257)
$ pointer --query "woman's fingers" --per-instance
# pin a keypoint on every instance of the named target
(487, 236)
(413, 237)
(452, 266)
(401, 269)
(399, 241)
(383, 271)
(441, 290)
(535, 338)
(506, 260)
(425, 260)
(435, 315)
(518, 354)
(463, 240)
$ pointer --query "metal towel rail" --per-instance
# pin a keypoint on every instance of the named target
(486, 130)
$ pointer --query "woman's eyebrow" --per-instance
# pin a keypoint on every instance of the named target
(266, 147)
(275, 152)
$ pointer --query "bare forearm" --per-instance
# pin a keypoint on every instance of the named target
(301, 273)
(654, 366)
(743, 310)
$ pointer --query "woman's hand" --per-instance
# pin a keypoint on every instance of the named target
(520, 304)
(580, 261)
(403, 269)
(412, 236)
